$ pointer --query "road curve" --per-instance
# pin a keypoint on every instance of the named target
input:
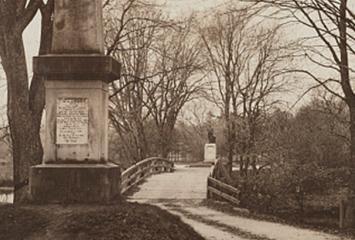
(181, 193)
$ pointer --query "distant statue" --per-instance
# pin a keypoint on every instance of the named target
(211, 136)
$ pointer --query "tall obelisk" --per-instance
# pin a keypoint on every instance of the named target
(77, 73)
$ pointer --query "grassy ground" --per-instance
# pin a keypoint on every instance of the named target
(17, 223)
(121, 221)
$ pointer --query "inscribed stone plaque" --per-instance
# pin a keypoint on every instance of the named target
(72, 120)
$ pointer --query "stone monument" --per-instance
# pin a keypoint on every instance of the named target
(75, 166)
(210, 148)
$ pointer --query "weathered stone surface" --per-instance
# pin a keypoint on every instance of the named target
(75, 183)
(77, 67)
(78, 27)
(210, 152)
(96, 149)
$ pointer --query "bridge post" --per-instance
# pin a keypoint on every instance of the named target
(75, 167)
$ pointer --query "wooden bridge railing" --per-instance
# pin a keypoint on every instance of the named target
(6, 194)
(219, 190)
(141, 170)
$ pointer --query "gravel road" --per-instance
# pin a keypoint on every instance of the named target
(182, 192)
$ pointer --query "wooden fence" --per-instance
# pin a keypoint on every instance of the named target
(219, 190)
(141, 170)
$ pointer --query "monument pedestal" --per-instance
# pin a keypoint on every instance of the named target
(75, 166)
(210, 153)
(75, 183)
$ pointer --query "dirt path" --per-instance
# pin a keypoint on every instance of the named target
(182, 192)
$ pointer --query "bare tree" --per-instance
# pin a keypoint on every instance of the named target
(333, 23)
(157, 72)
(179, 79)
(246, 64)
(132, 46)
(120, 16)
(258, 87)
(25, 104)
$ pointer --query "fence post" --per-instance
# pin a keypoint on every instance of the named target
(208, 191)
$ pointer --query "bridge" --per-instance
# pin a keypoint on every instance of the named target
(182, 192)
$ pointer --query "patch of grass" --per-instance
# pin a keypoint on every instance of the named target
(122, 221)
(16, 223)
(127, 221)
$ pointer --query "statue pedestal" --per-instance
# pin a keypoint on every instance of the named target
(210, 153)
(75, 165)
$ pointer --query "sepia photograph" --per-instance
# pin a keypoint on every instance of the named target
(177, 119)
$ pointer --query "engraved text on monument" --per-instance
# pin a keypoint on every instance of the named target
(72, 121)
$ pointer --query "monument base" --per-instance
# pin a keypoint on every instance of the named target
(210, 153)
(75, 183)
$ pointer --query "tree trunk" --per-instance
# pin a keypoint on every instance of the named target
(24, 125)
(348, 207)
(164, 144)
(25, 104)
(142, 143)
(231, 139)
(165, 139)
